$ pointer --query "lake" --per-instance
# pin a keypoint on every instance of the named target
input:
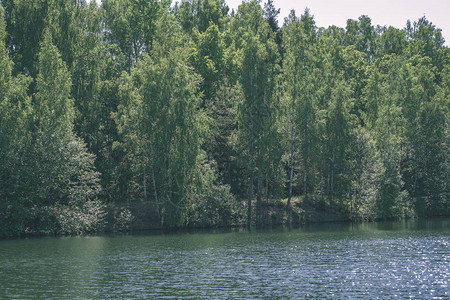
(386, 260)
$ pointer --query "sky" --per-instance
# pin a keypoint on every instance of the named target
(382, 12)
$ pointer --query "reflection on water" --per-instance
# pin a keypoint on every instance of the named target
(404, 259)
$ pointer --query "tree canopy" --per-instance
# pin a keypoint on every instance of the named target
(199, 112)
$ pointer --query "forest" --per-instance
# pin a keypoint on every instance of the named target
(212, 117)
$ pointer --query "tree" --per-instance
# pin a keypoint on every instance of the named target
(361, 34)
(25, 24)
(258, 110)
(209, 61)
(199, 14)
(384, 93)
(220, 141)
(391, 41)
(5, 63)
(305, 106)
(160, 122)
(424, 170)
(60, 177)
(26, 21)
(271, 14)
(51, 181)
(297, 66)
(131, 25)
(335, 121)
(425, 39)
(366, 168)
(15, 112)
(95, 74)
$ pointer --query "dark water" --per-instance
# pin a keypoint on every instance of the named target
(385, 260)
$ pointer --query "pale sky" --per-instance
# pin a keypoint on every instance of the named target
(382, 12)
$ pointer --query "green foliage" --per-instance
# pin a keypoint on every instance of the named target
(161, 125)
(361, 34)
(385, 94)
(391, 41)
(50, 181)
(298, 103)
(52, 103)
(425, 167)
(5, 63)
(124, 220)
(257, 112)
(200, 14)
(209, 60)
(77, 220)
(95, 72)
(183, 107)
(212, 208)
(132, 25)
(366, 167)
(426, 40)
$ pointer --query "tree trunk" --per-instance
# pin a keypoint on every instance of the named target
(328, 181)
(266, 211)
(291, 175)
(154, 181)
(305, 160)
(305, 188)
(156, 194)
(250, 188)
(145, 184)
(259, 200)
(321, 184)
(331, 196)
(250, 194)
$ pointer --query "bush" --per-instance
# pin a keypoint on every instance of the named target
(212, 208)
(124, 220)
(72, 220)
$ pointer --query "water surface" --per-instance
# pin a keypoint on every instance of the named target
(385, 260)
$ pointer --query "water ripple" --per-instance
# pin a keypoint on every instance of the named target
(323, 264)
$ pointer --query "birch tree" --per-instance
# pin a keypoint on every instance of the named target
(160, 121)
(259, 59)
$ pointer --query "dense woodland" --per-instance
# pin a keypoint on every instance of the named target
(200, 111)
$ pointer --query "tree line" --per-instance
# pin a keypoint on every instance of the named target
(196, 109)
